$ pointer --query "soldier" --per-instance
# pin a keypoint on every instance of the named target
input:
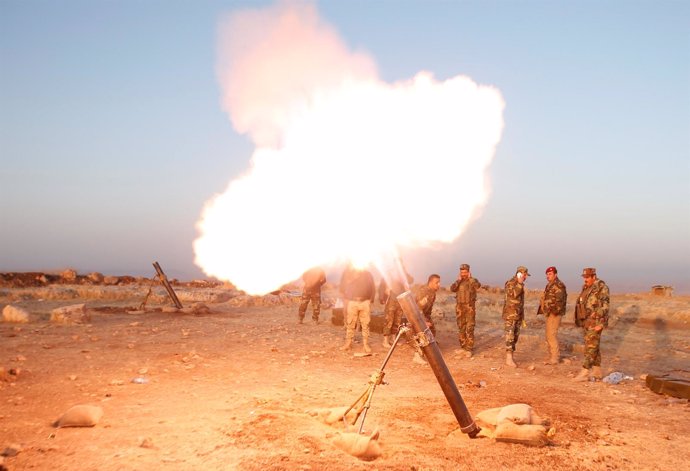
(514, 311)
(357, 285)
(592, 314)
(314, 279)
(392, 309)
(426, 296)
(552, 305)
(465, 288)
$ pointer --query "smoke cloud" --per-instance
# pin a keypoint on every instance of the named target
(346, 166)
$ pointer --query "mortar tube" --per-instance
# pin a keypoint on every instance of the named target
(437, 363)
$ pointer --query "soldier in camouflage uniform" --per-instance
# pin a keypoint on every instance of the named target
(592, 314)
(314, 279)
(514, 311)
(465, 289)
(392, 310)
(426, 296)
(552, 305)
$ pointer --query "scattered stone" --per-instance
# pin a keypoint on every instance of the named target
(15, 314)
(146, 443)
(531, 368)
(12, 449)
(72, 377)
(74, 314)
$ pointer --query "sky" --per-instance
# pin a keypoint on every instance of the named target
(113, 134)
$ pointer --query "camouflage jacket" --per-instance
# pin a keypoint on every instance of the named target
(514, 304)
(553, 299)
(314, 278)
(466, 290)
(592, 308)
(425, 298)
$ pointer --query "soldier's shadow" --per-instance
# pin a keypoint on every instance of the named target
(619, 329)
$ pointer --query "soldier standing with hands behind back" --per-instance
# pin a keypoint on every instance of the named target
(552, 305)
(465, 289)
(592, 314)
(514, 311)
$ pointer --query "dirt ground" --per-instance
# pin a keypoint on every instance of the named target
(231, 388)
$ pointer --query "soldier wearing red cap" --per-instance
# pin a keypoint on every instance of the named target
(552, 305)
(592, 314)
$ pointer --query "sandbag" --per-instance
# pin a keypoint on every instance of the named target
(80, 416)
(364, 447)
(331, 415)
(487, 418)
(516, 413)
(533, 435)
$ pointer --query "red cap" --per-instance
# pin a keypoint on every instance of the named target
(552, 270)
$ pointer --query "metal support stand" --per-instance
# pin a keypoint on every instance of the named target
(363, 402)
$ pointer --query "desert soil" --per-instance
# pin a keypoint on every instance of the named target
(231, 388)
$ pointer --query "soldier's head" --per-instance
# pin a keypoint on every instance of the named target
(434, 282)
(521, 274)
(464, 271)
(551, 274)
(589, 275)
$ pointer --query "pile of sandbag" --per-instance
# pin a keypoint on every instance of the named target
(515, 423)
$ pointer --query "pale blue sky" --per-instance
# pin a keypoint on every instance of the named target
(112, 135)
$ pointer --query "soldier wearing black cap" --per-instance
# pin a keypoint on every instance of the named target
(465, 289)
(592, 314)
(514, 311)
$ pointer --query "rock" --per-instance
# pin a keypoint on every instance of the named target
(12, 449)
(111, 280)
(15, 314)
(69, 275)
(74, 314)
(95, 277)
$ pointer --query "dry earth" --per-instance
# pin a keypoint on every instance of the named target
(230, 388)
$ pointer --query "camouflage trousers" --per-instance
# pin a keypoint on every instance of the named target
(315, 299)
(357, 311)
(393, 313)
(465, 315)
(511, 326)
(592, 351)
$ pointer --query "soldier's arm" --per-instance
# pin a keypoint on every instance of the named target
(477, 284)
(454, 286)
(602, 308)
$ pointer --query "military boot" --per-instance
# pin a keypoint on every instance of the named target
(386, 343)
(509, 360)
(367, 348)
(583, 375)
(596, 372)
(347, 346)
(552, 361)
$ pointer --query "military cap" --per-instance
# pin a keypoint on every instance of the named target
(551, 270)
(522, 270)
(465, 266)
(589, 272)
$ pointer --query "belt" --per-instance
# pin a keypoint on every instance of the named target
(359, 299)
